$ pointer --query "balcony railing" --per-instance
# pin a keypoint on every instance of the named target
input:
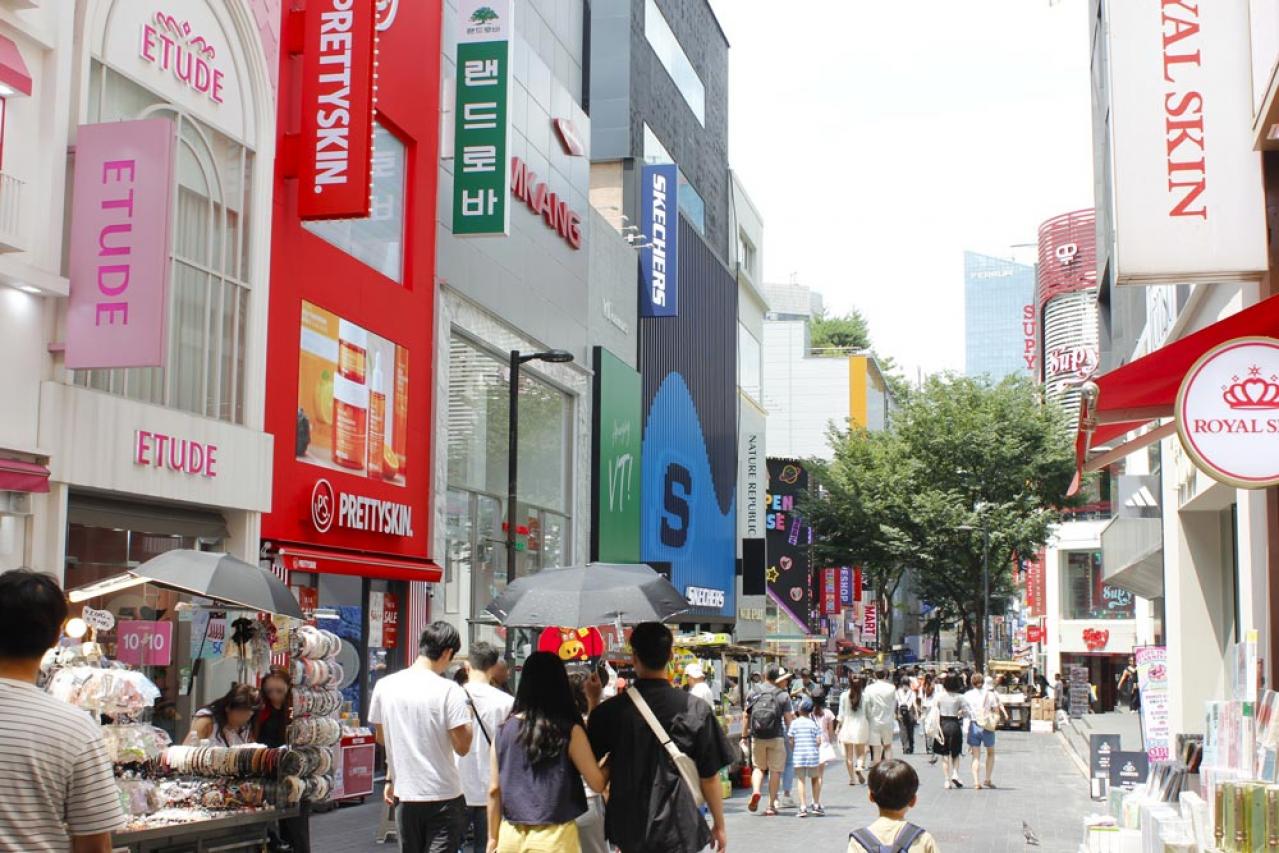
(11, 236)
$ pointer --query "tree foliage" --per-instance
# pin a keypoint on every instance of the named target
(845, 332)
(959, 457)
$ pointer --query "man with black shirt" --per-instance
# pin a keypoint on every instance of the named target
(650, 809)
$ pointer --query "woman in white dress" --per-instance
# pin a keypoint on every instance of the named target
(854, 729)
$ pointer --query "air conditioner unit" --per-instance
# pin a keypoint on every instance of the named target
(15, 503)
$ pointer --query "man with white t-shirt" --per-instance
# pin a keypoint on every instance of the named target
(880, 699)
(423, 720)
(489, 707)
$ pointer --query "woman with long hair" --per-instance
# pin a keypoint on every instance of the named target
(540, 758)
(854, 729)
(928, 693)
(225, 721)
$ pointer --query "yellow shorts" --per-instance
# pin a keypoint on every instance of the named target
(538, 838)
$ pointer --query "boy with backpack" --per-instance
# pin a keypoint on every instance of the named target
(768, 713)
(893, 784)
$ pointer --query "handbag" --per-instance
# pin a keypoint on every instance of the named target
(686, 766)
(989, 716)
(826, 754)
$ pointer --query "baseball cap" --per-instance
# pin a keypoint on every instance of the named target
(806, 705)
(694, 670)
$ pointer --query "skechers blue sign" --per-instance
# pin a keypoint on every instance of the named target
(659, 260)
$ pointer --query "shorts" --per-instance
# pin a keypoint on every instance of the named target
(769, 754)
(978, 737)
(952, 738)
(881, 734)
(542, 838)
(814, 772)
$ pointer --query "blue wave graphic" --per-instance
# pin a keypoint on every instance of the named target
(681, 522)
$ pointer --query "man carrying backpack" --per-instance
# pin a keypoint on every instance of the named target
(768, 713)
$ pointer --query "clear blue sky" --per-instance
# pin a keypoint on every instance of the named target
(880, 140)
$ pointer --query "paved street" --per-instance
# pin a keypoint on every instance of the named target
(1038, 784)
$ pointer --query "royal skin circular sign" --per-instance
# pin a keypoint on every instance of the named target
(1228, 412)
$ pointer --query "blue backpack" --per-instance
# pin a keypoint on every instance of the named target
(906, 836)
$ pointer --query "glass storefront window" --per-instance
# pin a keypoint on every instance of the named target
(1087, 596)
(377, 241)
(209, 288)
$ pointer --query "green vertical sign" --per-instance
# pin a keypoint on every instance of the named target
(481, 173)
(615, 451)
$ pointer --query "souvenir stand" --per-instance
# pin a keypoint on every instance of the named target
(202, 796)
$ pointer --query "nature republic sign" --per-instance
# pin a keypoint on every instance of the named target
(1228, 412)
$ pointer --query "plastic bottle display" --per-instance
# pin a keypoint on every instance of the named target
(377, 419)
(351, 397)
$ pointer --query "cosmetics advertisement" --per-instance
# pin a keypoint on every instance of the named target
(352, 398)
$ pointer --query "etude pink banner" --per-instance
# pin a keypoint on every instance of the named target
(120, 227)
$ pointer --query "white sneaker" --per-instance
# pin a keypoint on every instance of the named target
(787, 802)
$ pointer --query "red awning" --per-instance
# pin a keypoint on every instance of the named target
(1142, 390)
(18, 476)
(361, 565)
(13, 71)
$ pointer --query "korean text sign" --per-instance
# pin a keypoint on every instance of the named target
(119, 254)
(338, 93)
(659, 259)
(482, 122)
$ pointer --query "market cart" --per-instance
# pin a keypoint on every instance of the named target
(1013, 688)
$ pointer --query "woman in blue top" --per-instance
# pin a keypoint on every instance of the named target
(540, 758)
(806, 737)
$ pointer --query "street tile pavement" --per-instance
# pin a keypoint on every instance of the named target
(1037, 782)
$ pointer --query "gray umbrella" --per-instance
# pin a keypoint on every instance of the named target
(220, 577)
(594, 594)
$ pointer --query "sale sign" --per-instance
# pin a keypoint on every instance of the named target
(144, 643)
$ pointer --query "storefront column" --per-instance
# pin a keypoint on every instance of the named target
(48, 544)
(245, 529)
(1254, 567)
(1198, 611)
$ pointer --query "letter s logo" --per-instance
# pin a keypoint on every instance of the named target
(675, 504)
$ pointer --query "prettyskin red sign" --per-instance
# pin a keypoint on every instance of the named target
(338, 93)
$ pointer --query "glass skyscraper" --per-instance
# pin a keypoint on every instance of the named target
(1000, 323)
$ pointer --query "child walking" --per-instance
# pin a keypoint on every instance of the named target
(893, 784)
(806, 736)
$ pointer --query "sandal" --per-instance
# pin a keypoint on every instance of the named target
(753, 805)
(770, 812)
(989, 784)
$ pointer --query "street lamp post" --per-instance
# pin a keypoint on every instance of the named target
(558, 356)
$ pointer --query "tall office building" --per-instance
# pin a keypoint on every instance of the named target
(1000, 326)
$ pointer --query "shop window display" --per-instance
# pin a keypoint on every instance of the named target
(1087, 595)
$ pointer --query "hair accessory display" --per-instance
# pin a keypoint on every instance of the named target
(315, 730)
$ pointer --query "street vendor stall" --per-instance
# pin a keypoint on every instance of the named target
(200, 795)
(1013, 688)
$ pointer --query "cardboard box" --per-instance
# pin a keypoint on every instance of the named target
(1042, 726)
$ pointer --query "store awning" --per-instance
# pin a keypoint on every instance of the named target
(362, 565)
(1146, 389)
(16, 476)
(14, 76)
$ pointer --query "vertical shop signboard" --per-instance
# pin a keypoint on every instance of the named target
(375, 619)
(1080, 695)
(390, 620)
(121, 212)
(339, 90)
(788, 541)
(1101, 749)
(870, 626)
(616, 449)
(1152, 680)
(482, 124)
(659, 224)
(830, 591)
(845, 586)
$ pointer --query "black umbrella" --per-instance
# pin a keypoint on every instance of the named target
(220, 577)
(594, 594)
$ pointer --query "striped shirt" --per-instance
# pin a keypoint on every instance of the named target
(807, 737)
(55, 776)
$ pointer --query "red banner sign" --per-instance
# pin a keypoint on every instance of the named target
(857, 583)
(830, 591)
(390, 620)
(1034, 634)
(338, 95)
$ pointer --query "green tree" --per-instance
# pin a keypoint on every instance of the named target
(962, 462)
(847, 332)
(483, 15)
